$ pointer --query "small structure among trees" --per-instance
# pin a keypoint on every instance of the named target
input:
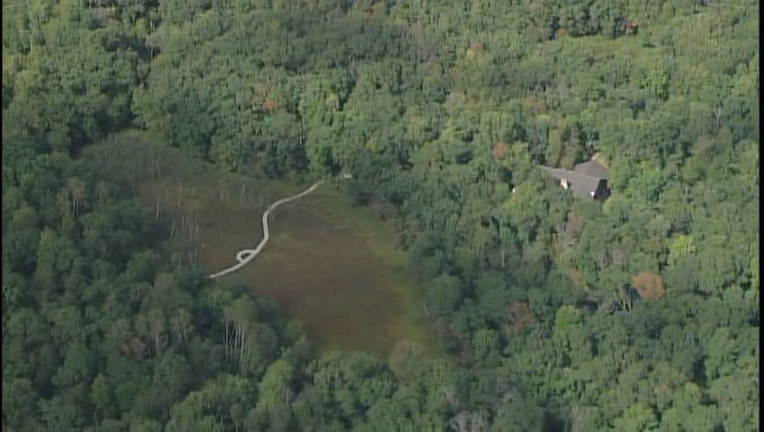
(586, 180)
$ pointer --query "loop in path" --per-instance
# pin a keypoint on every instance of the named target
(244, 256)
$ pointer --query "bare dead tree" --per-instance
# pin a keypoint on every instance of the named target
(180, 192)
(718, 115)
(158, 201)
(152, 156)
(181, 325)
(197, 243)
(157, 169)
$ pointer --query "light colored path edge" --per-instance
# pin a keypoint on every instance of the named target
(244, 256)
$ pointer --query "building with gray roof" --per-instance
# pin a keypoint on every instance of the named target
(587, 180)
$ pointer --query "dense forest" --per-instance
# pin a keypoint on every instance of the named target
(638, 313)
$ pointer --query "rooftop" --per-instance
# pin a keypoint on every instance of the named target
(588, 179)
(591, 169)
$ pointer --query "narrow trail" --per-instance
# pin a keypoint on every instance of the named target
(244, 256)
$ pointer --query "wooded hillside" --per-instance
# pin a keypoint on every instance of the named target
(638, 313)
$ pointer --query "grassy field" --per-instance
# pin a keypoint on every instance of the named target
(333, 266)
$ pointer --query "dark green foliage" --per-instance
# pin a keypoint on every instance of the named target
(441, 112)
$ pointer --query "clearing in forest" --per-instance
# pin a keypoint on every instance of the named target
(332, 266)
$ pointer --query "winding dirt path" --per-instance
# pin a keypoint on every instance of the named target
(244, 256)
